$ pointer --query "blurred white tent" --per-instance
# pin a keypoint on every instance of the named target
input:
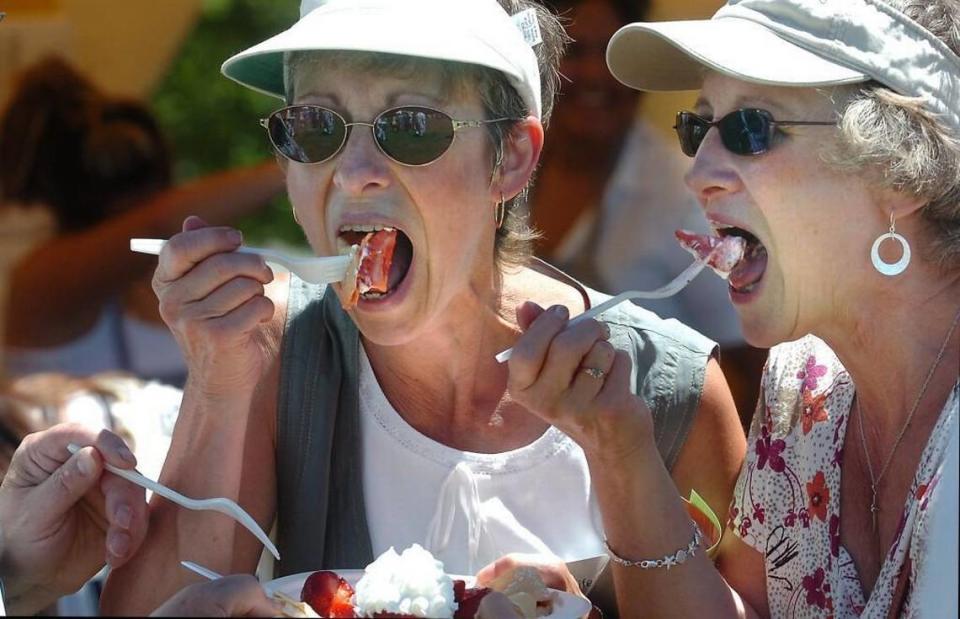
(125, 46)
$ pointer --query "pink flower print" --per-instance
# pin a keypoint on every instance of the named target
(744, 526)
(758, 513)
(810, 373)
(790, 519)
(769, 451)
(813, 409)
(805, 518)
(835, 535)
(819, 496)
(817, 590)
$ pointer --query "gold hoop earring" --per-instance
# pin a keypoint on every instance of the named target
(500, 212)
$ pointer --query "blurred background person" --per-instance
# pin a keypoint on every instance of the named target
(610, 194)
(80, 174)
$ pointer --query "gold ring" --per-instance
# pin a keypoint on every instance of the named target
(594, 373)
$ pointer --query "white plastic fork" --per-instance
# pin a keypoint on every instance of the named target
(313, 269)
(222, 505)
(676, 285)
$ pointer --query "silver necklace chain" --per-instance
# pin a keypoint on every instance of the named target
(875, 481)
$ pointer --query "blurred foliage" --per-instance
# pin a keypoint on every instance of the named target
(211, 121)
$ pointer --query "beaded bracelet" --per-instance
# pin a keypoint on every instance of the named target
(668, 561)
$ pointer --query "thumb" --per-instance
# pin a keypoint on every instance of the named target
(527, 312)
(57, 494)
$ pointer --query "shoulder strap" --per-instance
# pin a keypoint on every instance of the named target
(321, 519)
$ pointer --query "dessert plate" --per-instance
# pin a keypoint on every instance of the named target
(565, 605)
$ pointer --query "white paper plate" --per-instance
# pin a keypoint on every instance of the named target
(565, 606)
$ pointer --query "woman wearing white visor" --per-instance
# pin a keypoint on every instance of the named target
(418, 124)
(827, 134)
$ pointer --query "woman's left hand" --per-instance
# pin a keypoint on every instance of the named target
(553, 571)
(573, 378)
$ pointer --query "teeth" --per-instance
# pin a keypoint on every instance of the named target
(364, 228)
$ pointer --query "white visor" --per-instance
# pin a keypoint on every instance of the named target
(475, 32)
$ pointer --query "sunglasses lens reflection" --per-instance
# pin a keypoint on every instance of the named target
(412, 135)
(743, 132)
(307, 134)
(408, 135)
(746, 132)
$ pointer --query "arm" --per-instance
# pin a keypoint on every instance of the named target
(713, 452)
(223, 443)
(643, 515)
(73, 275)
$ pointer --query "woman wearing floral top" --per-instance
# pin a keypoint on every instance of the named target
(827, 136)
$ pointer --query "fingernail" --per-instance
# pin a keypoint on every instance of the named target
(606, 330)
(122, 517)
(560, 310)
(127, 455)
(118, 543)
(85, 464)
(236, 237)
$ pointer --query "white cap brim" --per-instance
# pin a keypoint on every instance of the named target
(480, 37)
(673, 55)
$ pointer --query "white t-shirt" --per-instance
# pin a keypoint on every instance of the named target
(470, 509)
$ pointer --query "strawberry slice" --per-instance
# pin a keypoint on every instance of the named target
(329, 595)
(467, 599)
(373, 269)
(721, 253)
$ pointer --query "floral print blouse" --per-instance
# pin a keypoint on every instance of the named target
(787, 500)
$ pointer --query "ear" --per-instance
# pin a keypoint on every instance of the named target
(521, 153)
(899, 204)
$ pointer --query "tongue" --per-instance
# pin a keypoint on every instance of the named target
(749, 270)
(402, 256)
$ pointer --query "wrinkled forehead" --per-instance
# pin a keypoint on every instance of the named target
(345, 70)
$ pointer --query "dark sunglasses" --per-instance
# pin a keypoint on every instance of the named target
(410, 135)
(747, 131)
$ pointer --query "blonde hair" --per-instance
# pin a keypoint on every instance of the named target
(895, 140)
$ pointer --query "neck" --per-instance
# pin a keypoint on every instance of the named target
(446, 382)
(889, 349)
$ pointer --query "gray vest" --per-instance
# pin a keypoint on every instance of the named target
(321, 519)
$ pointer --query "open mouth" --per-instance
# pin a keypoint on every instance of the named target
(748, 272)
(380, 266)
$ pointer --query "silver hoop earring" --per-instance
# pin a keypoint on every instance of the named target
(295, 218)
(890, 268)
(500, 212)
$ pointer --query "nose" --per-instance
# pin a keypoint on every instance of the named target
(712, 173)
(361, 167)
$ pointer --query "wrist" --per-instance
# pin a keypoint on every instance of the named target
(631, 451)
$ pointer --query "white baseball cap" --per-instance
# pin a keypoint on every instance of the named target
(476, 32)
(793, 43)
